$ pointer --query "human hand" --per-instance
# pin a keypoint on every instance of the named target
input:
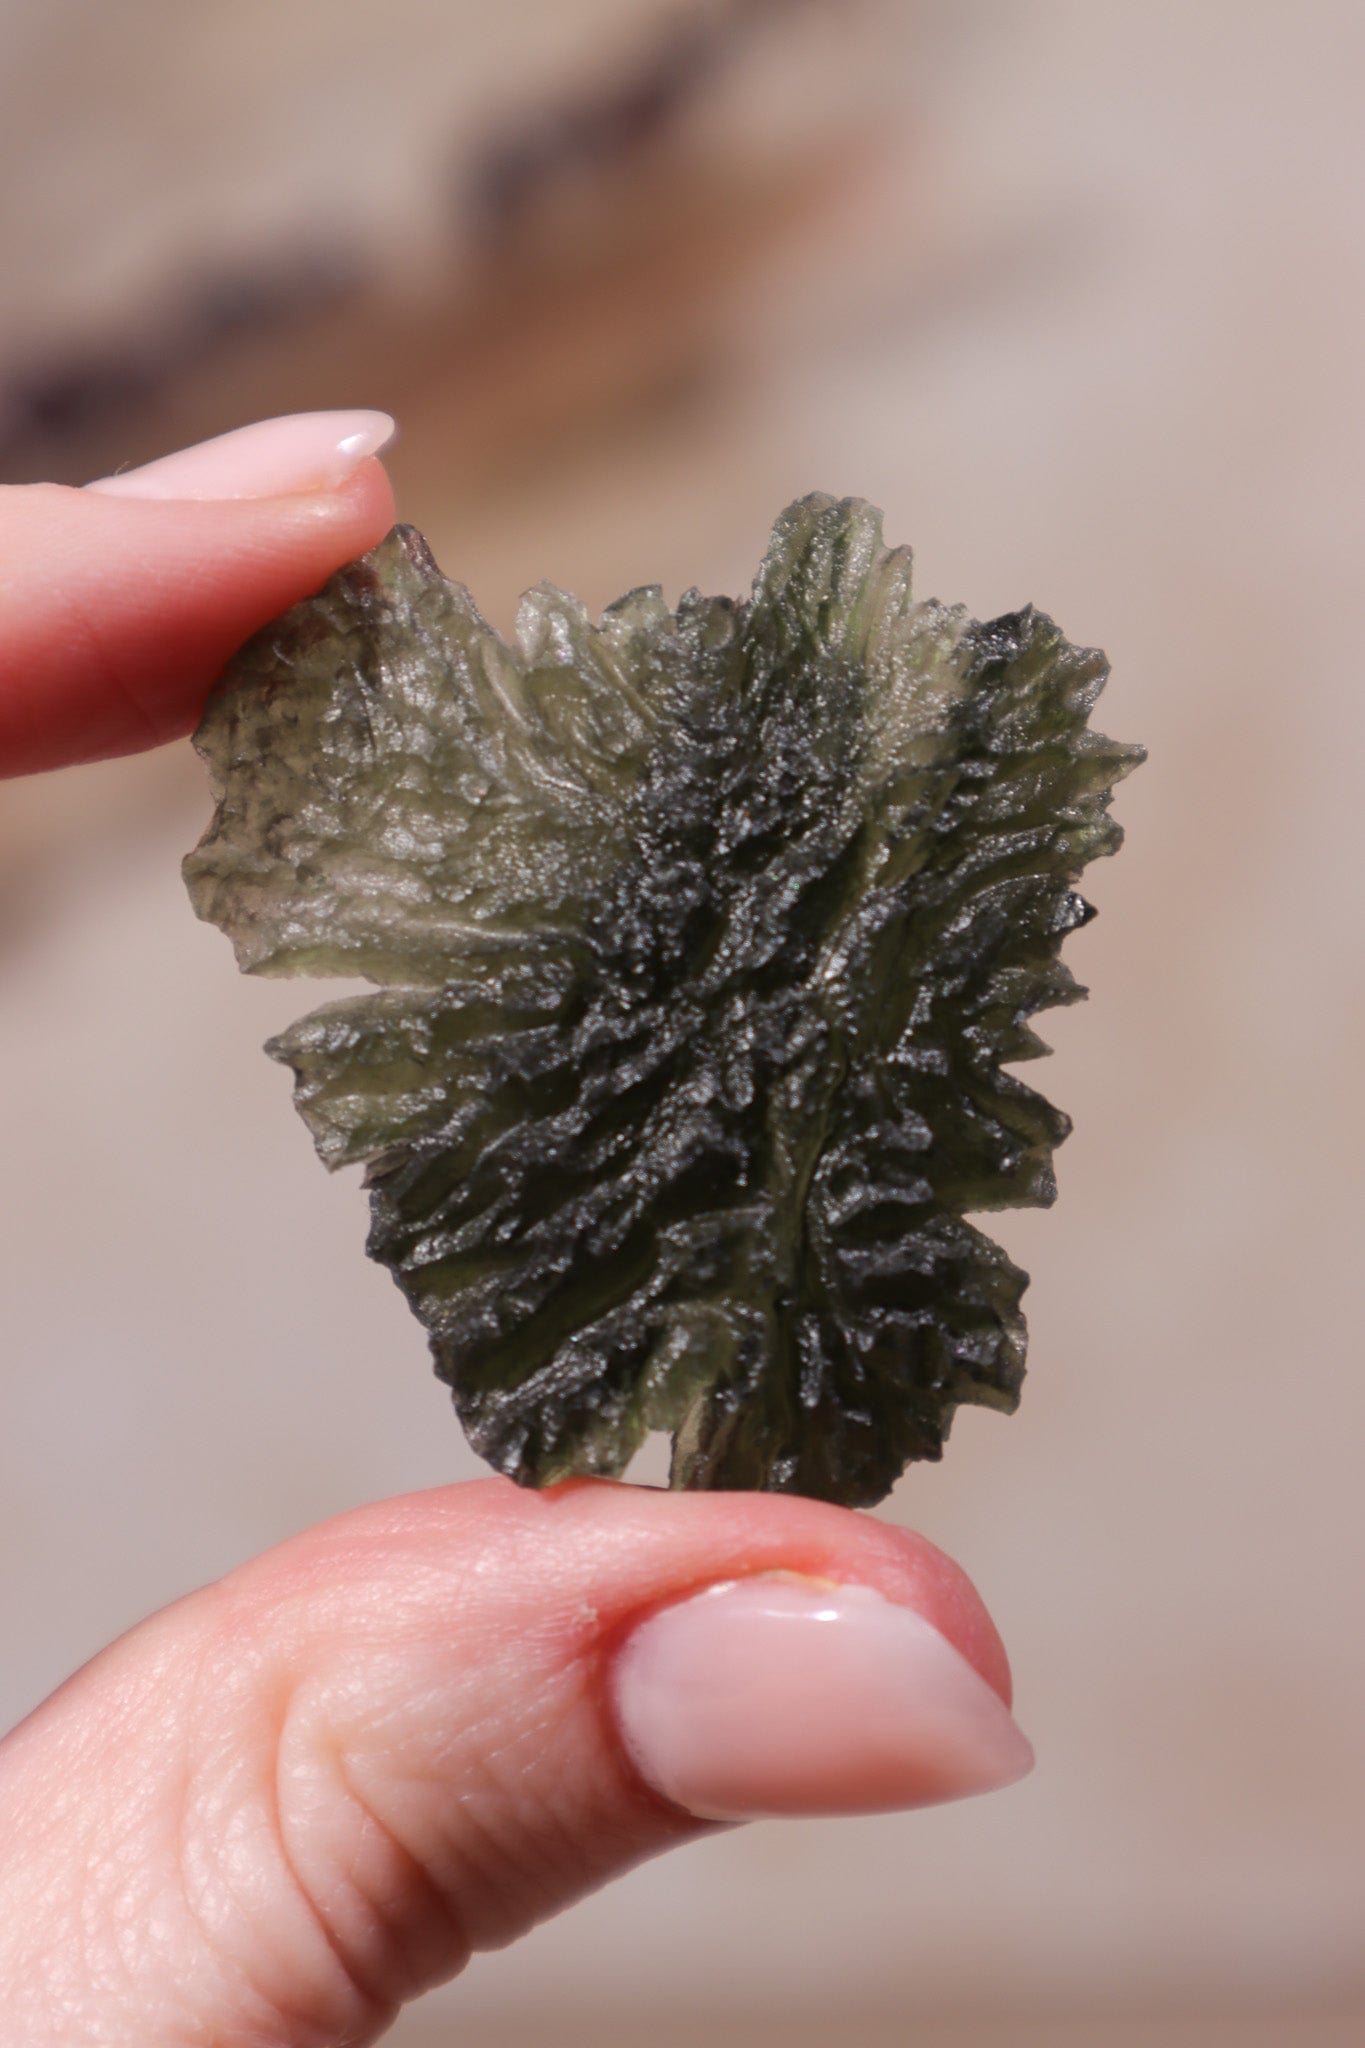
(292, 1801)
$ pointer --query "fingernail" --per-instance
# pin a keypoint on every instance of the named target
(779, 1695)
(302, 451)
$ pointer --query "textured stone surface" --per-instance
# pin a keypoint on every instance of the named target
(702, 938)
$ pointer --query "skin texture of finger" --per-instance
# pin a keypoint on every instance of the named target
(117, 613)
(291, 1802)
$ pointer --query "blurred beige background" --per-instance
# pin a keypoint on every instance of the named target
(1075, 292)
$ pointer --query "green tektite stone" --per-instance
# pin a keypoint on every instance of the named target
(702, 939)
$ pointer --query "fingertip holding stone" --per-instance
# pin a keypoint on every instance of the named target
(299, 452)
(777, 1695)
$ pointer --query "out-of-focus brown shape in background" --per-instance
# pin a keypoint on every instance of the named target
(1074, 290)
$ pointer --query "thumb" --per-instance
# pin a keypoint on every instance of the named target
(291, 1802)
(121, 603)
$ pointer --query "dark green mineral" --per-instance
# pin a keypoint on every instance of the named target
(703, 941)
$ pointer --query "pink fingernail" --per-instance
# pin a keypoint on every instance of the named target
(302, 451)
(777, 1695)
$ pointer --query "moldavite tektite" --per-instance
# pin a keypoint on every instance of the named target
(702, 938)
